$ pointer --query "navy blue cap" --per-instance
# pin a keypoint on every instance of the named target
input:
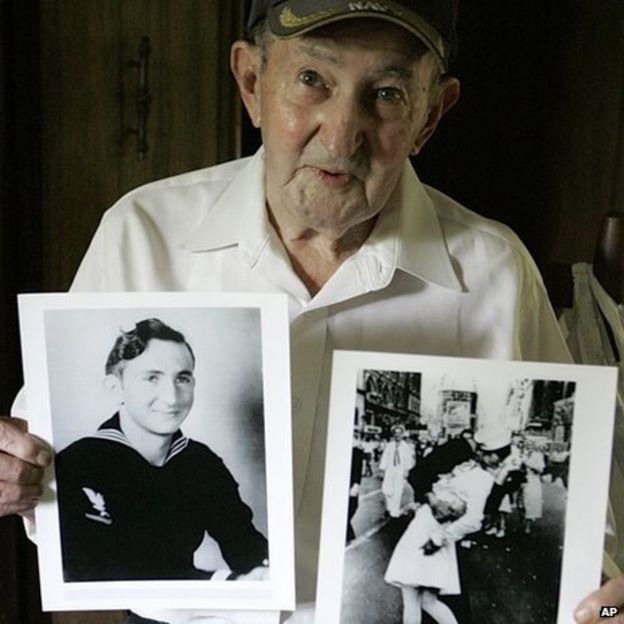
(432, 21)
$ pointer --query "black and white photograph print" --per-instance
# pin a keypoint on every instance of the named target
(161, 416)
(463, 490)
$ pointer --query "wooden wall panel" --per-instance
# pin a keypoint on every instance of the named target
(93, 617)
(182, 124)
(588, 173)
(80, 132)
(89, 99)
(536, 140)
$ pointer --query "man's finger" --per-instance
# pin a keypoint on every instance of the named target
(18, 498)
(20, 423)
(14, 494)
(15, 441)
(611, 594)
(14, 470)
(24, 508)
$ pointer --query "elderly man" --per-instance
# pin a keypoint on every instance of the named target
(331, 213)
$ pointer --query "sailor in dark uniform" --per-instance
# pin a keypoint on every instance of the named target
(137, 496)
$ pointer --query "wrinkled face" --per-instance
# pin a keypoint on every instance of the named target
(156, 388)
(340, 111)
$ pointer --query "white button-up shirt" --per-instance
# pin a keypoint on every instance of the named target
(432, 278)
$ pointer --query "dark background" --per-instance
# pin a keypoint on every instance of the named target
(537, 141)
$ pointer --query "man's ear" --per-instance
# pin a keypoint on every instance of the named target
(113, 388)
(447, 96)
(246, 63)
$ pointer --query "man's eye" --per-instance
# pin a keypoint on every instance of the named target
(390, 95)
(185, 379)
(311, 78)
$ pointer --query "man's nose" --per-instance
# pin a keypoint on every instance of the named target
(168, 391)
(343, 126)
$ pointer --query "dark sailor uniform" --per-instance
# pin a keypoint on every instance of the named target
(123, 518)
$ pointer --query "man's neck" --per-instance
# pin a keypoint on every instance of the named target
(154, 448)
(316, 256)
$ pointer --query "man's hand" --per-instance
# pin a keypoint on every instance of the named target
(611, 594)
(22, 459)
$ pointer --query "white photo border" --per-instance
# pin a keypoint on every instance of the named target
(589, 470)
(276, 593)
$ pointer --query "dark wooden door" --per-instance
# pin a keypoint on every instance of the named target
(89, 50)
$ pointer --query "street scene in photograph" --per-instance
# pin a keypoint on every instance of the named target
(457, 500)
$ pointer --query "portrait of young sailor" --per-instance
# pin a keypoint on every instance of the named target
(137, 496)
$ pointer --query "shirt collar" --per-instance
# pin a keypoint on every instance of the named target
(422, 249)
(111, 430)
(239, 217)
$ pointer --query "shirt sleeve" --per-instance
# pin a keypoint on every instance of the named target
(230, 523)
(538, 334)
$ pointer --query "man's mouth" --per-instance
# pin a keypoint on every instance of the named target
(334, 178)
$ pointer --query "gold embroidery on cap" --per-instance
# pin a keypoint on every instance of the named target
(289, 20)
(369, 6)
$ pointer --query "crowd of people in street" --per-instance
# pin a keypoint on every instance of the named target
(458, 489)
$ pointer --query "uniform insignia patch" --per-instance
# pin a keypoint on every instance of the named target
(97, 502)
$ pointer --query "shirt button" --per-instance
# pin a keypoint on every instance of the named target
(296, 404)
